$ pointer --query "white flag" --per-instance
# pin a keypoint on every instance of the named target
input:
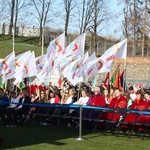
(77, 46)
(5, 64)
(121, 49)
(44, 70)
(74, 71)
(19, 65)
(104, 63)
(84, 68)
(30, 66)
(64, 62)
(40, 63)
(57, 46)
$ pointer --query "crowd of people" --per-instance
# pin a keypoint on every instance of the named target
(82, 94)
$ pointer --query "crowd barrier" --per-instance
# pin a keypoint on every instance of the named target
(100, 109)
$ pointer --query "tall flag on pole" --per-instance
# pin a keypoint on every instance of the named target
(77, 46)
(6, 63)
(121, 49)
(57, 46)
(94, 83)
(89, 59)
(106, 81)
(104, 63)
(19, 63)
(40, 62)
(115, 79)
(30, 66)
(122, 81)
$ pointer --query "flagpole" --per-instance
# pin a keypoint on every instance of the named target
(42, 40)
(124, 80)
(43, 35)
(13, 38)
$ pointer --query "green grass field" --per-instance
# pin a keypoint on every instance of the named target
(22, 44)
(53, 138)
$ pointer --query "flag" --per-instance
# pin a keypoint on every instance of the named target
(94, 83)
(104, 63)
(64, 62)
(30, 66)
(44, 73)
(21, 85)
(93, 67)
(40, 63)
(60, 80)
(57, 46)
(19, 63)
(118, 50)
(3, 84)
(121, 49)
(115, 79)
(6, 66)
(122, 81)
(73, 72)
(77, 46)
(106, 81)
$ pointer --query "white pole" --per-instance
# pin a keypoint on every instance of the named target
(42, 40)
(43, 34)
(13, 38)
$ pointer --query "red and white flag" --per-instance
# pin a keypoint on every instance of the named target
(104, 63)
(57, 46)
(8, 72)
(30, 66)
(40, 63)
(76, 47)
(18, 65)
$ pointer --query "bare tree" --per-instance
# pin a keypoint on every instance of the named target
(40, 11)
(12, 16)
(99, 16)
(85, 15)
(20, 6)
(136, 18)
(2, 7)
(68, 5)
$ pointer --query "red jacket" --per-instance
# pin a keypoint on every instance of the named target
(96, 100)
(140, 105)
(117, 102)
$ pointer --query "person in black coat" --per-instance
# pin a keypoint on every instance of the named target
(23, 106)
(4, 102)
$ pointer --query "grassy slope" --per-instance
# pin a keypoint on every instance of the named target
(22, 44)
(40, 138)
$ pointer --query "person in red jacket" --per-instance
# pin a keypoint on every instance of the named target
(119, 101)
(53, 98)
(96, 100)
(138, 104)
(32, 89)
(42, 87)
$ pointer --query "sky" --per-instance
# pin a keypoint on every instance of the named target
(108, 31)
(116, 23)
(112, 29)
